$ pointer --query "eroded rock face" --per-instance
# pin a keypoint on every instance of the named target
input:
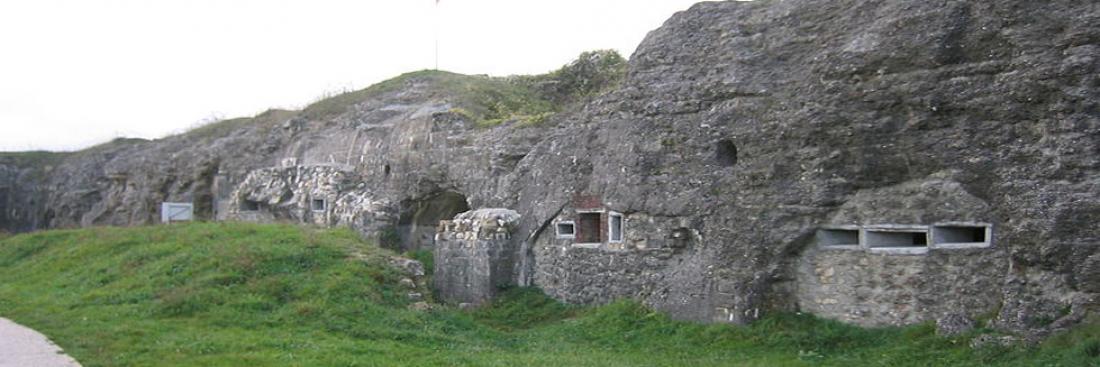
(320, 195)
(953, 324)
(954, 147)
(22, 199)
(756, 123)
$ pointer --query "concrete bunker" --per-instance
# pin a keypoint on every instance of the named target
(474, 255)
(419, 218)
(905, 239)
(869, 286)
(615, 251)
(878, 282)
(888, 256)
(590, 224)
(318, 194)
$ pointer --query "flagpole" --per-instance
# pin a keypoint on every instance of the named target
(437, 35)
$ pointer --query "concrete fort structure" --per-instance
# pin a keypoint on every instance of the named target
(877, 162)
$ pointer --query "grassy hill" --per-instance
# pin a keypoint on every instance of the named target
(229, 294)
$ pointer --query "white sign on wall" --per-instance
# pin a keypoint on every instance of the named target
(176, 212)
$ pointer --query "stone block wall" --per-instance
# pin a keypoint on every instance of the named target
(873, 286)
(287, 193)
(874, 289)
(474, 255)
(640, 266)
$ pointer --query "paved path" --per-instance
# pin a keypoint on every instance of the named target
(23, 347)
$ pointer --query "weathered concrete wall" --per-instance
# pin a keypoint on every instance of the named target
(748, 126)
(411, 151)
(579, 271)
(874, 289)
(882, 286)
(474, 255)
(760, 122)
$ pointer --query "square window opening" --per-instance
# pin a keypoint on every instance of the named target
(588, 228)
(837, 237)
(566, 230)
(965, 235)
(615, 227)
(318, 205)
(880, 238)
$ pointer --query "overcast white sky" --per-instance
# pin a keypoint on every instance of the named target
(78, 72)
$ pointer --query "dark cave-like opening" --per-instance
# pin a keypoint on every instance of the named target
(725, 153)
(419, 218)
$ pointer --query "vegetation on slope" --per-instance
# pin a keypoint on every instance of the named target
(40, 161)
(482, 98)
(490, 101)
(37, 164)
(593, 72)
(221, 128)
(242, 294)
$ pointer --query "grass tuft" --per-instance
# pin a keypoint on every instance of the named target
(523, 308)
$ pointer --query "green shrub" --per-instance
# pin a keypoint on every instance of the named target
(1090, 348)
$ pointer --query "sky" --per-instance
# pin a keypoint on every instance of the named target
(74, 73)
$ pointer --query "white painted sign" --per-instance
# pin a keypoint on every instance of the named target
(176, 212)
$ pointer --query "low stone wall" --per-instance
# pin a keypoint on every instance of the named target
(590, 275)
(873, 289)
(474, 255)
(869, 285)
(638, 267)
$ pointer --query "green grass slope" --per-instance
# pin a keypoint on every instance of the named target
(230, 294)
(490, 101)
